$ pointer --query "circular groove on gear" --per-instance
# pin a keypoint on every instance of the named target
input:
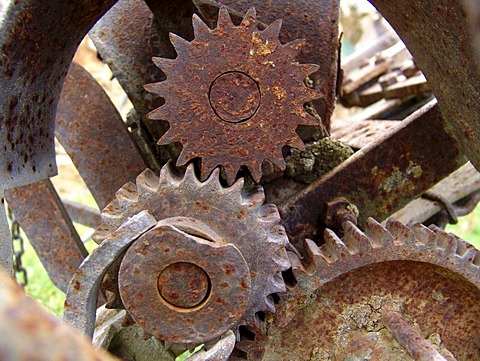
(234, 97)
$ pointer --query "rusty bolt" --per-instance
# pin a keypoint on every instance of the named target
(338, 212)
(234, 97)
(183, 284)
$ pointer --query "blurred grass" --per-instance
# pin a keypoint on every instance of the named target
(468, 228)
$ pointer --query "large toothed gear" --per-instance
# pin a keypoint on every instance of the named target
(235, 219)
(234, 96)
(351, 288)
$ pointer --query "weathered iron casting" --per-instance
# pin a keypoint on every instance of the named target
(192, 260)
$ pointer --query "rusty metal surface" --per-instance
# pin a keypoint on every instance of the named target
(345, 285)
(450, 64)
(49, 229)
(82, 293)
(93, 134)
(410, 339)
(123, 38)
(460, 184)
(152, 283)
(220, 351)
(315, 21)
(36, 47)
(31, 333)
(6, 250)
(380, 178)
(237, 217)
(79, 213)
(214, 125)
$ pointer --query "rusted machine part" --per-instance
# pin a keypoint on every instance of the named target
(79, 213)
(443, 62)
(343, 287)
(82, 293)
(238, 101)
(473, 17)
(170, 286)
(410, 339)
(380, 178)
(237, 216)
(460, 184)
(315, 21)
(6, 250)
(93, 134)
(126, 40)
(36, 48)
(31, 333)
(220, 351)
(43, 217)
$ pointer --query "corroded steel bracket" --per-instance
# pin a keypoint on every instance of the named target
(380, 178)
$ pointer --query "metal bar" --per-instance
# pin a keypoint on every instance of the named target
(416, 345)
(450, 64)
(82, 293)
(37, 42)
(82, 214)
(31, 333)
(458, 185)
(380, 178)
(93, 134)
(47, 225)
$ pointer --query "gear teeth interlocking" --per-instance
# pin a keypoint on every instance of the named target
(394, 242)
(236, 215)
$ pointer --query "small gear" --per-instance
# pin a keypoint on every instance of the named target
(348, 288)
(234, 96)
(240, 219)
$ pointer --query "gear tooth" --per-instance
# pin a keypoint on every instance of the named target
(321, 257)
(293, 48)
(250, 19)
(446, 242)
(190, 177)
(401, 233)
(229, 172)
(269, 213)
(282, 261)
(199, 27)
(309, 69)
(160, 113)
(147, 182)
(253, 198)
(297, 143)
(355, 239)
(184, 157)
(164, 64)
(334, 247)
(256, 171)
(279, 162)
(213, 181)
(102, 232)
(272, 31)
(112, 212)
(424, 235)
(127, 195)
(224, 19)
(179, 43)
(379, 236)
(279, 235)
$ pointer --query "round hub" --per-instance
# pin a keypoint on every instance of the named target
(182, 288)
(183, 284)
(234, 97)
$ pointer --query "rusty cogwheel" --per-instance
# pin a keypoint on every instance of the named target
(234, 95)
(393, 293)
(242, 251)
